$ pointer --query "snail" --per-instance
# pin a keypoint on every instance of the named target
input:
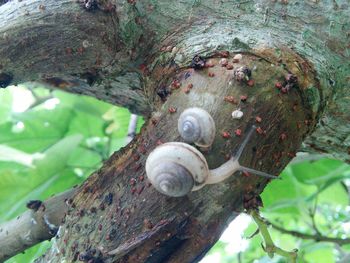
(196, 126)
(177, 168)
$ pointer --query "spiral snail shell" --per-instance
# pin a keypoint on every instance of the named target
(196, 126)
(175, 168)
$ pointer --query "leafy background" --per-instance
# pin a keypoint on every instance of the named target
(50, 141)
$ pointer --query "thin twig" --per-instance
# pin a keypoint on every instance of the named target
(239, 257)
(312, 213)
(317, 238)
(270, 248)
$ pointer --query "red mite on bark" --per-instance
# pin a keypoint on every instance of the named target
(225, 135)
(172, 109)
(238, 132)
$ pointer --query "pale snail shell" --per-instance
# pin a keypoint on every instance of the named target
(196, 126)
(176, 168)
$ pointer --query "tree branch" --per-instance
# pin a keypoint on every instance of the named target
(65, 46)
(317, 237)
(34, 225)
(269, 246)
(117, 205)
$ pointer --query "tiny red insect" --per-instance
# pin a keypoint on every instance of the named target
(283, 136)
(278, 85)
(230, 99)
(238, 132)
(250, 83)
(172, 109)
(244, 98)
(259, 130)
(226, 135)
(229, 66)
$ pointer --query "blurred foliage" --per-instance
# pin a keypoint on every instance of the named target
(53, 145)
(62, 138)
(312, 196)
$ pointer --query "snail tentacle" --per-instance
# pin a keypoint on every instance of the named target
(253, 171)
(232, 165)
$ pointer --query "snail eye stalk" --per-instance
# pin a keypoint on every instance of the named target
(238, 154)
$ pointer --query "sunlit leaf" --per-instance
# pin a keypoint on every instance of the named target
(320, 172)
(13, 155)
(320, 253)
(286, 195)
(40, 129)
(336, 194)
(34, 185)
(31, 253)
(5, 105)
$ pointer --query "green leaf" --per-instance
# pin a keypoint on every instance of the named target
(335, 194)
(40, 129)
(86, 125)
(119, 118)
(31, 254)
(40, 181)
(56, 157)
(5, 105)
(84, 104)
(320, 253)
(13, 155)
(321, 172)
(84, 159)
(286, 195)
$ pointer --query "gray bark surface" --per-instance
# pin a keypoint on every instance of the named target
(126, 52)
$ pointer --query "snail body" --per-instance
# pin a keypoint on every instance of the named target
(176, 168)
(196, 126)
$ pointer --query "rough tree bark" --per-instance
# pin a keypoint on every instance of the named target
(130, 52)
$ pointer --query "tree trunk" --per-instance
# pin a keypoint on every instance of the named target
(130, 52)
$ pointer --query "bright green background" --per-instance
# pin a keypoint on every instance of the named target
(43, 152)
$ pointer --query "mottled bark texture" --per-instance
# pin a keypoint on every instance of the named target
(69, 47)
(130, 52)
